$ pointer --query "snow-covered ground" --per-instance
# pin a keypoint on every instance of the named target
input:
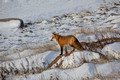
(86, 71)
(30, 48)
(30, 10)
(9, 27)
(112, 50)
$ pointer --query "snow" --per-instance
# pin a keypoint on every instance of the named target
(86, 71)
(77, 58)
(31, 47)
(86, 37)
(108, 68)
(74, 60)
(9, 26)
(29, 10)
(112, 50)
(25, 53)
(39, 60)
(116, 27)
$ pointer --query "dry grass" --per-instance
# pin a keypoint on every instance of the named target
(94, 30)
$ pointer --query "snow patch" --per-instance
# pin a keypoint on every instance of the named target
(116, 27)
(36, 10)
(77, 58)
(112, 50)
(9, 27)
(86, 71)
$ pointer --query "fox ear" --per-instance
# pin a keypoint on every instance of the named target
(54, 33)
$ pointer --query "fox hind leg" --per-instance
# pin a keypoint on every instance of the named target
(73, 48)
(65, 49)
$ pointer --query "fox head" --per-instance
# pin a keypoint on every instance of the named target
(54, 36)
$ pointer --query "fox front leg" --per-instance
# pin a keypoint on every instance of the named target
(61, 50)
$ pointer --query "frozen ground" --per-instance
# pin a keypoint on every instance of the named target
(29, 50)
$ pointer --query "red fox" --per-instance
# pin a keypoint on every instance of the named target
(67, 40)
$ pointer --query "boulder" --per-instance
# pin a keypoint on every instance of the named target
(9, 19)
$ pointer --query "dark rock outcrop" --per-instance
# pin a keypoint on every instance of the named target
(8, 19)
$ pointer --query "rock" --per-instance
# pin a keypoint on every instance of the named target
(102, 8)
(26, 36)
(86, 13)
(9, 19)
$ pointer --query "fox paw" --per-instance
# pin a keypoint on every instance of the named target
(68, 54)
(60, 54)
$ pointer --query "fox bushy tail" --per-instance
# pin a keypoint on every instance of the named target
(77, 45)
